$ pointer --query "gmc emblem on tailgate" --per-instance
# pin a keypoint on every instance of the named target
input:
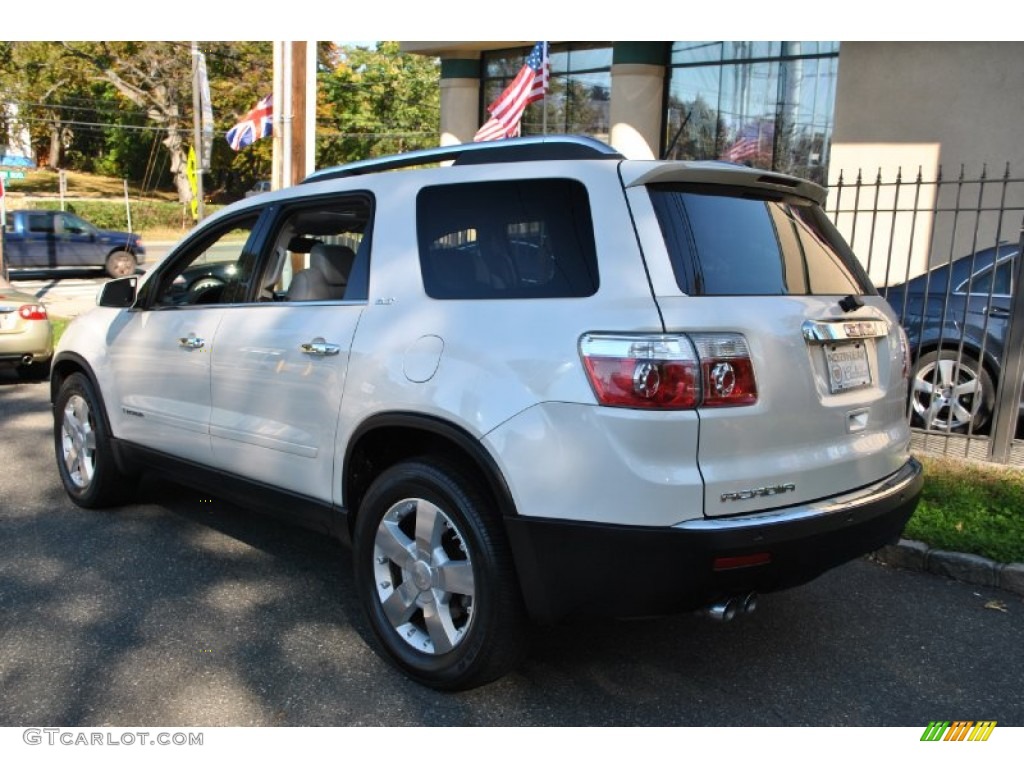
(754, 493)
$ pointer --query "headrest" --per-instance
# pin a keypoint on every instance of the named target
(334, 262)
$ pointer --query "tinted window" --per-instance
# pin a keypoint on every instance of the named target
(507, 240)
(725, 245)
(982, 282)
(40, 222)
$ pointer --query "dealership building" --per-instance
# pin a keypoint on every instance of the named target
(812, 109)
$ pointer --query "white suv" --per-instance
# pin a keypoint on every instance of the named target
(542, 381)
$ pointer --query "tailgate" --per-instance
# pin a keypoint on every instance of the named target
(826, 351)
(830, 410)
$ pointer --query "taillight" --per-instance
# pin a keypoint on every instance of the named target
(727, 373)
(664, 371)
(32, 311)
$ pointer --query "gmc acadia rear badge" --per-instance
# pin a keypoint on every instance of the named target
(753, 493)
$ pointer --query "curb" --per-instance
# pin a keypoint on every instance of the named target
(972, 569)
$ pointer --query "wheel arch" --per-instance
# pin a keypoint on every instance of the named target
(64, 366)
(387, 438)
(970, 347)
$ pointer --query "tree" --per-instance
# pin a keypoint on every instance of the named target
(375, 101)
(51, 95)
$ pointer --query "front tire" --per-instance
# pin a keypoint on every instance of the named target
(435, 576)
(85, 458)
(120, 264)
(948, 395)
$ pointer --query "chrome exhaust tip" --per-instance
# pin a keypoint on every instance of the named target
(26, 359)
(723, 610)
(748, 604)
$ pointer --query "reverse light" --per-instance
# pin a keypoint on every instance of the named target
(669, 371)
(32, 311)
(727, 373)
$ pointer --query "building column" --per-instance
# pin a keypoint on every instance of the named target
(460, 98)
(637, 105)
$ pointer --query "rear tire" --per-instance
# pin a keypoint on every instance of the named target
(950, 396)
(121, 264)
(435, 576)
(85, 458)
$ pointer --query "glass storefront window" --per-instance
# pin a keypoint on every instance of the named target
(579, 90)
(764, 104)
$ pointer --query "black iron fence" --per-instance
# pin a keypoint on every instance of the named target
(945, 252)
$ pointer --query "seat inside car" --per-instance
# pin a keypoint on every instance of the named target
(326, 276)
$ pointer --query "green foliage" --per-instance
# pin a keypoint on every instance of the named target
(124, 108)
(110, 214)
(376, 101)
(971, 508)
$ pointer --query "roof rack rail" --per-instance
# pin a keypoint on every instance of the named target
(554, 147)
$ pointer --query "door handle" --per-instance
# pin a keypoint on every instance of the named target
(320, 347)
(191, 342)
(998, 312)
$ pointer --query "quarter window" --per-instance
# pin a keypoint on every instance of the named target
(507, 240)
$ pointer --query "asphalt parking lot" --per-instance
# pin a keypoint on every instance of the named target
(185, 610)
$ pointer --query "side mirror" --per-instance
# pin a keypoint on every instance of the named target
(118, 293)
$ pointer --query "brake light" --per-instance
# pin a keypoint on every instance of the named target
(666, 371)
(32, 311)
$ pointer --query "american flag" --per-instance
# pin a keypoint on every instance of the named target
(753, 141)
(258, 124)
(528, 86)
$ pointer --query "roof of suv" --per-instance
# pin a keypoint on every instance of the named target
(571, 148)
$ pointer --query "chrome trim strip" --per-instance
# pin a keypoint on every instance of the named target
(891, 486)
(844, 330)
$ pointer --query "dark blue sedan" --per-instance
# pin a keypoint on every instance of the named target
(957, 317)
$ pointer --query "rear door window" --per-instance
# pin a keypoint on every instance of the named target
(732, 244)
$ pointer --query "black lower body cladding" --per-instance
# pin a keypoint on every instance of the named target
(571, 568)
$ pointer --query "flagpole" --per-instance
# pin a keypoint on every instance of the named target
(197, 131)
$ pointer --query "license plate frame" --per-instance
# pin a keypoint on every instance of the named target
(847, 366)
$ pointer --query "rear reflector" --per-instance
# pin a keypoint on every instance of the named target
(741, 561)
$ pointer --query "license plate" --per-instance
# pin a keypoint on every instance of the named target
(847, 366)
(8, 320)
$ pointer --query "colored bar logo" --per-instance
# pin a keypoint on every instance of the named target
(959, 730)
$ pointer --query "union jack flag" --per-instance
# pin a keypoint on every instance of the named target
(257, 124)
(528, 86)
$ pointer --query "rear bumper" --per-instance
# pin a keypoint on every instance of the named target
(574, 568)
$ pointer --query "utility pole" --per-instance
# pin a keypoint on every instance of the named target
(197, 131)
(294, 111)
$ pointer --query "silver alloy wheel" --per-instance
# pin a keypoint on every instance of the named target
(78, 441)
(424, 576)
(947, 394)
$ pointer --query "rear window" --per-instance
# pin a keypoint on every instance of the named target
(507, 240)
(730, 245)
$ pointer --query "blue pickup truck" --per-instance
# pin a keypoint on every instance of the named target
(54, 239)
